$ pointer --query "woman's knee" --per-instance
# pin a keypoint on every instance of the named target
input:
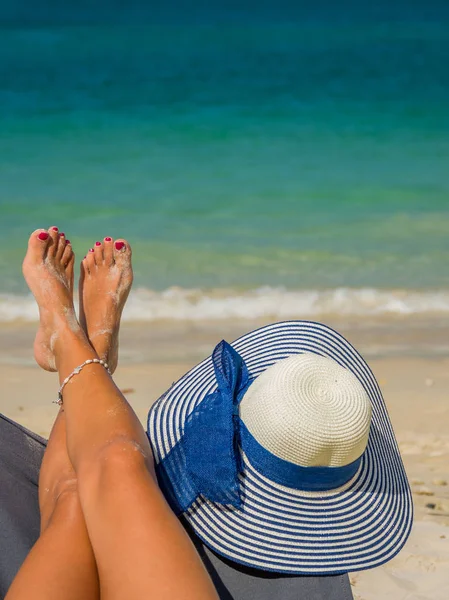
(120, 459)
(60, 503)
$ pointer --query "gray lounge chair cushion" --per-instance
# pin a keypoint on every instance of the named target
(21, 454)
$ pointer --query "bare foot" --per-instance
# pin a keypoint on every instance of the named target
(48, 271)
(106, 278)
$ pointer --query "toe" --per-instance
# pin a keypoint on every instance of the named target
(67, 253)
(89, 261)
(122, 253)
(38, 244)
(62, 242)
(108, 251)
(53, 241)
(84, 270)
(98, 253)
(70, 270)
(63, 247)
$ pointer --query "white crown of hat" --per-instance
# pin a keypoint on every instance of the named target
(308, 410)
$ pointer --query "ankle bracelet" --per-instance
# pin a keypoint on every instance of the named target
(77, 371)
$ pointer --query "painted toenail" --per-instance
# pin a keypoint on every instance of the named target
(62, 234)
(108, 239)
(119, 245)
(55, 229)
(43, 236)
(98, 243)
(67, 241)
(91, 249)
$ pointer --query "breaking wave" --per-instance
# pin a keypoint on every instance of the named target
(178, 304)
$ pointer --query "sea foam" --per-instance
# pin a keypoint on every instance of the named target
(178, 304)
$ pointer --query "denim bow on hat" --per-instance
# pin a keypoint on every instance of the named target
(206, 460)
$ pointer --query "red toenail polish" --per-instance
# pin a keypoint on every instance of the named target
(43, 236)
(91, 249)
(108, 239)
(67, 241)
(62, 234)
(119, 245)
(55, 229)
(98, 243)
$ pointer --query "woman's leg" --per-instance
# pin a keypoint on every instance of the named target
(103, 290)
(62, 563)
(139, 545)
(101, 314)
(58, 565)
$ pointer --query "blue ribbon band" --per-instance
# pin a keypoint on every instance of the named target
(283, 472)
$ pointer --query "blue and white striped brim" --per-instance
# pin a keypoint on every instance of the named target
(360, 525)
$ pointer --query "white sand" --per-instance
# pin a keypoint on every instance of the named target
(416, 392)
(419, 572)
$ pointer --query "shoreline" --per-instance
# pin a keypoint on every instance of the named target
(167, 341)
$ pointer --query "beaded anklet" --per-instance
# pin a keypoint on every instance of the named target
(76, 372)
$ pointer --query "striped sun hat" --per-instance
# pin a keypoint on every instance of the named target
(279, 452)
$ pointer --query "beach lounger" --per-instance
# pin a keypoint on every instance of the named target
(21, 454)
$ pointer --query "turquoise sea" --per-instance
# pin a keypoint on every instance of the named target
(263, 159)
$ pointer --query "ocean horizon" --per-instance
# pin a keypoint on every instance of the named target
(279, 161)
